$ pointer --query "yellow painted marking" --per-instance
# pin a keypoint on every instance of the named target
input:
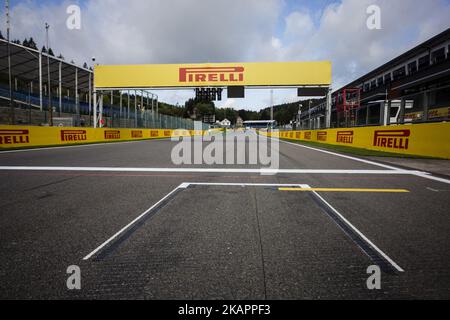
(344, 190)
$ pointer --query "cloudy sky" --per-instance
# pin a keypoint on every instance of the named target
(196, 31)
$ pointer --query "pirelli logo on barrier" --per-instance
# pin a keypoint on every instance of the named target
(11, 137)
(392, 139)
(154, 134)
(137, 134)
(212, 74)
(167, 133)
(73, 135)
(345, 137)
(298, 135)
(308, 135)
(112, 134)
(322, 136)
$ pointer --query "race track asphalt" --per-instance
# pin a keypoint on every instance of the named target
(217, 235)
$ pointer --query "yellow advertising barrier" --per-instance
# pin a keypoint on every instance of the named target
(29, 136)
(216, 74)
(430, 140)
(432, 114)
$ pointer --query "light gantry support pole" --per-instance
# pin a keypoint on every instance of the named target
(49, 86)
(11, 99)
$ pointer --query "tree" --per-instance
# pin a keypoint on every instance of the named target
(205, 108)
(60, 56)
(25, 43)
(248, 115)
(264, 114)
(44, 50)
(1, 36)
(32, 44)
(85, 65)
(50, 52)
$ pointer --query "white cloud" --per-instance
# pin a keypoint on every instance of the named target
(342, 36)
(276, 43)
(299, 24)
(229, 103)
(157, 31)
(181, 31)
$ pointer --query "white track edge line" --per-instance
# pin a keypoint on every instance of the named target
(211, 170)
(384, 255)
(100, 247)
(424, 175)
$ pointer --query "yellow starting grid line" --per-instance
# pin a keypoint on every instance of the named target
(344, 190)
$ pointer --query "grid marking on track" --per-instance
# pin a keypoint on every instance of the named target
(367, 246)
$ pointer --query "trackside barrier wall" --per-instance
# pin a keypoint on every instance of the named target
(430, 140)
(29, 136)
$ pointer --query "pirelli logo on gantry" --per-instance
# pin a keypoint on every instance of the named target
(392, 139)
(73, 135)
(10, 137)
(212, 74)
(345, 137)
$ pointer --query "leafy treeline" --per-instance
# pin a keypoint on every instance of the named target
(283, 113)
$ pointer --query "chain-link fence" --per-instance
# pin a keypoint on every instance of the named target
(69, 113)
(148, 119)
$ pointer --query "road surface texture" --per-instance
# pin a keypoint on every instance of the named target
(140, 230)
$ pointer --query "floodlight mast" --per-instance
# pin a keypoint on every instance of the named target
(11, 101)
(50, 110)
(329, 108)
(98, 117)
(271, 105)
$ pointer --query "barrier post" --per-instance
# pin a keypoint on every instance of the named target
(95, 108)
(328, 116)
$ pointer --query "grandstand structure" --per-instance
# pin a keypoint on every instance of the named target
(70, 95)
(411, 88)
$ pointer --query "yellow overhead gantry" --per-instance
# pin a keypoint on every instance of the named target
(313, 77)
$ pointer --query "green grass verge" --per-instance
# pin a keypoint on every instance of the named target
(357, 151)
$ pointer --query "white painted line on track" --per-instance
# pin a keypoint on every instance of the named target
(342, 155)
(431, 177)
(212, 170)
(370, 243)
(247, 184)
(421, 174)
(79, 146)
(104, 244)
